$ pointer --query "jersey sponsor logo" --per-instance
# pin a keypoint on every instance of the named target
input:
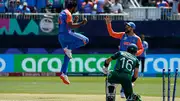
(127, 43)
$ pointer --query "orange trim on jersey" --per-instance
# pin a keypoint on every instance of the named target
(140, 46)
(117, 35)
(69, 16)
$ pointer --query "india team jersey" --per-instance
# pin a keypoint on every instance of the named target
(64, 18)
(126, 40)
(145, 45)
(125, 62)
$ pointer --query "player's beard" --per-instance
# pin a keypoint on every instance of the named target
(73, 10)
(127, 31)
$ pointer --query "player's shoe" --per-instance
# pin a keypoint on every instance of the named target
(68, 52)
(134, 97)
(122, 95)
(64, 78)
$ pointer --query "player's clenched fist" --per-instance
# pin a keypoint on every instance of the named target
(84, 21)
(76, 18)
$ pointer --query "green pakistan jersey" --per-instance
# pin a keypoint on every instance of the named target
(126, 62)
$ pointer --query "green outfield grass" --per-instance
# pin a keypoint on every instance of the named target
(79, 85)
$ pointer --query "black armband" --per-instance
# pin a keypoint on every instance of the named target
(105, 64)
(133, 79)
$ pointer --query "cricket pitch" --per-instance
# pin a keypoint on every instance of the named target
(65, 97)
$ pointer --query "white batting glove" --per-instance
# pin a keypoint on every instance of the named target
(132, 84)
(105, 70)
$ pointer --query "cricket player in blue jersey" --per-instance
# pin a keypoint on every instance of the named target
(69, 39)
(142, 57)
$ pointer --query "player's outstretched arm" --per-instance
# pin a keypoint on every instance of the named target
(117, 35)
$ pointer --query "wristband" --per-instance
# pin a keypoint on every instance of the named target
(133, 79)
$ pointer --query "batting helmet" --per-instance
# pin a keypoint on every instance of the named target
(132, 48)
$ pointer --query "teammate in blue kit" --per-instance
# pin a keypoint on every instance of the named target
(69, 39)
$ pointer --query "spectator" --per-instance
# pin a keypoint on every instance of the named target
(107, 6)
(100, 4)
(31, 5)
(165, 11)
(87, 6)
(2, 6)
(25, 8)
(19, 6)
(175, 6)
(162, 3)
(11, 6)
(142, 57)
(116, 7)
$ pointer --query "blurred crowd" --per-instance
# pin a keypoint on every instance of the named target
(118, 6)
(174, 4)
(31, 6)
(83, 6)
(100, 6)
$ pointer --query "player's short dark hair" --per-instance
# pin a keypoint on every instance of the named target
(132, 48)
(71, 5)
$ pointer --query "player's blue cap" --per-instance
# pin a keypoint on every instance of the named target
(131, 24)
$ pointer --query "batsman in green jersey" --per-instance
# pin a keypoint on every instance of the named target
(126, 63)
